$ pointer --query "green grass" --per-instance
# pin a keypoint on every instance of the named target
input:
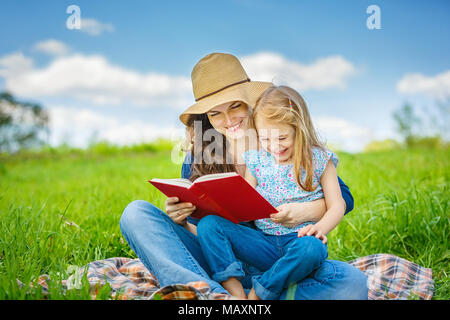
(62, 209)
(401, 207)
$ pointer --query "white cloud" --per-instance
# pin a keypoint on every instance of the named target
(343, 134)
(94, 27)
(324, 73)
(437, 86)
(93, 79)
(79, 126)
(13, 64)
(52, 47)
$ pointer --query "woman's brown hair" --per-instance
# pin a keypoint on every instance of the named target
(206, 160)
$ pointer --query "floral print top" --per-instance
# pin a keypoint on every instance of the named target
(276, 183)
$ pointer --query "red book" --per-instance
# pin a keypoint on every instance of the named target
(224, 194)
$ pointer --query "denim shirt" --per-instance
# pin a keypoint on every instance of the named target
(346, 194)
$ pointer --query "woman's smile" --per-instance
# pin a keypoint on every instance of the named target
(235, 127)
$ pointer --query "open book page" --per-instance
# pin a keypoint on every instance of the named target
(215, 176)
(187, 183)
(175, 182)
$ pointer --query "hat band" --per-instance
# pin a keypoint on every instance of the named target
(214, 92)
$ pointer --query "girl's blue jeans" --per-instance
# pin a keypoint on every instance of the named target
(173, 255)
(282, 259)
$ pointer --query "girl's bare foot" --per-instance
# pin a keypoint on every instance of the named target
(234, 287)
(252, 295)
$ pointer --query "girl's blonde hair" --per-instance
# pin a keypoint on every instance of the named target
(282, 104)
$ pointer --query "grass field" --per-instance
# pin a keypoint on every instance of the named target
(59, 210)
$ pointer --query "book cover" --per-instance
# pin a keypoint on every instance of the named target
(227, 195)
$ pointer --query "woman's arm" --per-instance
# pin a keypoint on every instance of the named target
(192, 228)
(186, 166)
(346, 195)
(250, 178)
(179, 212)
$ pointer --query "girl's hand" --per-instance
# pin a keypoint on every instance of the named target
(313, 230)
(179, 211)
(299, 212)
(285, 215)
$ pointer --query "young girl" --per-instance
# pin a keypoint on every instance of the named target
(293, 166)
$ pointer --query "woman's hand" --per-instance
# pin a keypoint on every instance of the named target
(179, 211)
(292, 214)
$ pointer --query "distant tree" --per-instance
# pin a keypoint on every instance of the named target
(407, 123)
(382, 145)
(440, 117)
(429, 130)
(22, 124)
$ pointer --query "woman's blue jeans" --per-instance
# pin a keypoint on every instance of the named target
(173, 255)
(283, 259)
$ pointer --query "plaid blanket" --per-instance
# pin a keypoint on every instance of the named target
(389, 277)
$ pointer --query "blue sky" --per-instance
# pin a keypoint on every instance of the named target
(160, 41)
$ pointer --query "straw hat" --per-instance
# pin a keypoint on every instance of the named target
(219, 78)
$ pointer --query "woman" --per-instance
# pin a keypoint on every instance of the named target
(167, 243)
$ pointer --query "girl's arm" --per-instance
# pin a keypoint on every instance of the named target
(334, 202)
(300, 212)
(312, 210)
(333, 199)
